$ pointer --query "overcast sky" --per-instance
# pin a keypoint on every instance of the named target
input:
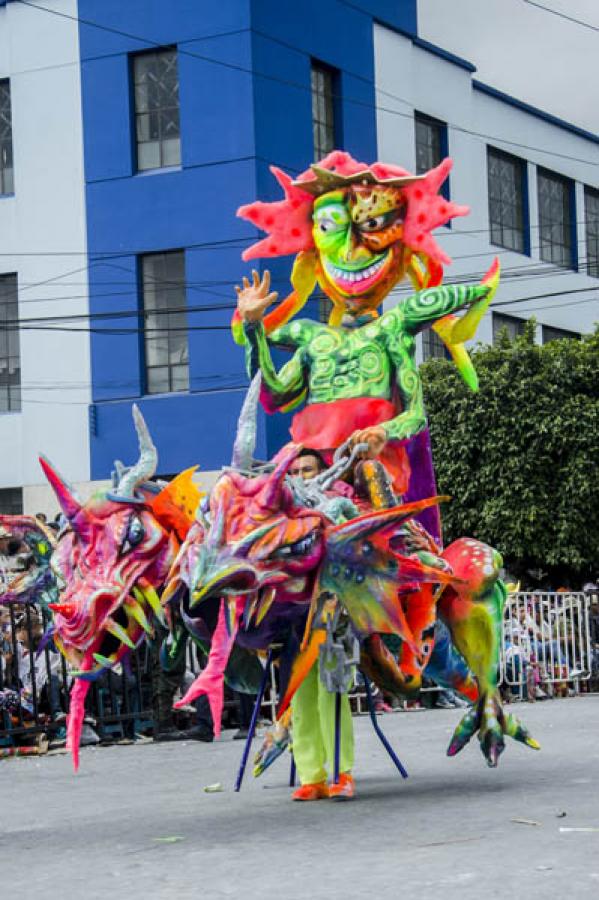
(525, 51)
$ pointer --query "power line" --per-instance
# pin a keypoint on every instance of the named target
(257, 74)
(561, 15)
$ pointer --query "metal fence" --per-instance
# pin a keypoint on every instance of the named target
(35, 683)
(547, 648)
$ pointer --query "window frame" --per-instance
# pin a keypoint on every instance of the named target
(12, 338)
(592, 268)
(432, 121)
(333, 101)
(8, 506)
(569, 227)
(432, 346)
(506, 320)
(146, 314)
(522, 165)
(7, 190)
(136, 114)
(561, 334)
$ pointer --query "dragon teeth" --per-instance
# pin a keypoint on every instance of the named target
(119, 632)
(135, 611)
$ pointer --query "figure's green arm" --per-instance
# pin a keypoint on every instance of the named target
(427, 307)
(289, 384)
(400, 325)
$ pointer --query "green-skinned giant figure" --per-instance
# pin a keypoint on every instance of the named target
(358, 232)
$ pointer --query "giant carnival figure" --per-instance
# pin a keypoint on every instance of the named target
(298, 568)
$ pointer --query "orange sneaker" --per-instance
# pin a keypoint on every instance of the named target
(345, 788)
(319, 791)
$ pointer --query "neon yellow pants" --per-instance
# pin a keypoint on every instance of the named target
(314, 730)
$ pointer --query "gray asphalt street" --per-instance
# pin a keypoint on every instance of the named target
(136, 822)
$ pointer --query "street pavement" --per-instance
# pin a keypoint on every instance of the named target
(137, 823)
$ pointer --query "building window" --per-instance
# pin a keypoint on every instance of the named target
(512, 324)
(11, 501)
(508, 196)
(591, 211)
(7, 185)
(558, 334)
(432, 346)
(557, 221)
(156, 91)
(431, 146)
(10, 357)
(165, 323)
(323, 109)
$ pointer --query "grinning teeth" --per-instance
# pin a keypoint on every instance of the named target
(135, 611)
(351, 277)
(119, 632)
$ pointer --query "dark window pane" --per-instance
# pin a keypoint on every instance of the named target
(11, 501)
(555, 219)
(433, 346)
(557, 334)
(431, 145)
(156, 83)
(10, 361)
(323, 110)
(165, 322)
(507, 215)
(511, 324)
(6, 164)
(591, 209)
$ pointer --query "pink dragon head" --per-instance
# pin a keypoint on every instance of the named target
(116, 550)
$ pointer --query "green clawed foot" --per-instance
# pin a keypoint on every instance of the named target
(489, 720)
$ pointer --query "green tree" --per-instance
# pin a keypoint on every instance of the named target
(520, 458)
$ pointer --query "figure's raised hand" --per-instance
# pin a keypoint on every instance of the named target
(375, 437)
(254, 299)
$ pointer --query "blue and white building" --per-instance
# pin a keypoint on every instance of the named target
(129, 135)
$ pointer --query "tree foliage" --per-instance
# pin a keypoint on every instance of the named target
(520, 458)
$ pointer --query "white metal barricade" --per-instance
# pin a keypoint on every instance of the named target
(546, 640)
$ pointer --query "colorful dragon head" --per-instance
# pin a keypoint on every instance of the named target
(257, 546)
(359, 230)
(117, 549)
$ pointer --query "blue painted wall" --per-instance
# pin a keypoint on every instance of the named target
(244, 73)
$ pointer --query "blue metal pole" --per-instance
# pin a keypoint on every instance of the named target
(252, 728)
(337, 736)
(377, 729)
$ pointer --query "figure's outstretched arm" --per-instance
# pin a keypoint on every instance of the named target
(288, 386)
(427, 307)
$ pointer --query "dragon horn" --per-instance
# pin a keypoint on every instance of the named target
(147, 463)
(245, 439)
(381, 520)
(270, 496)
(65, 495)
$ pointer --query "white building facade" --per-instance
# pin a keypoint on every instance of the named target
(529, 178)
(44, 362)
